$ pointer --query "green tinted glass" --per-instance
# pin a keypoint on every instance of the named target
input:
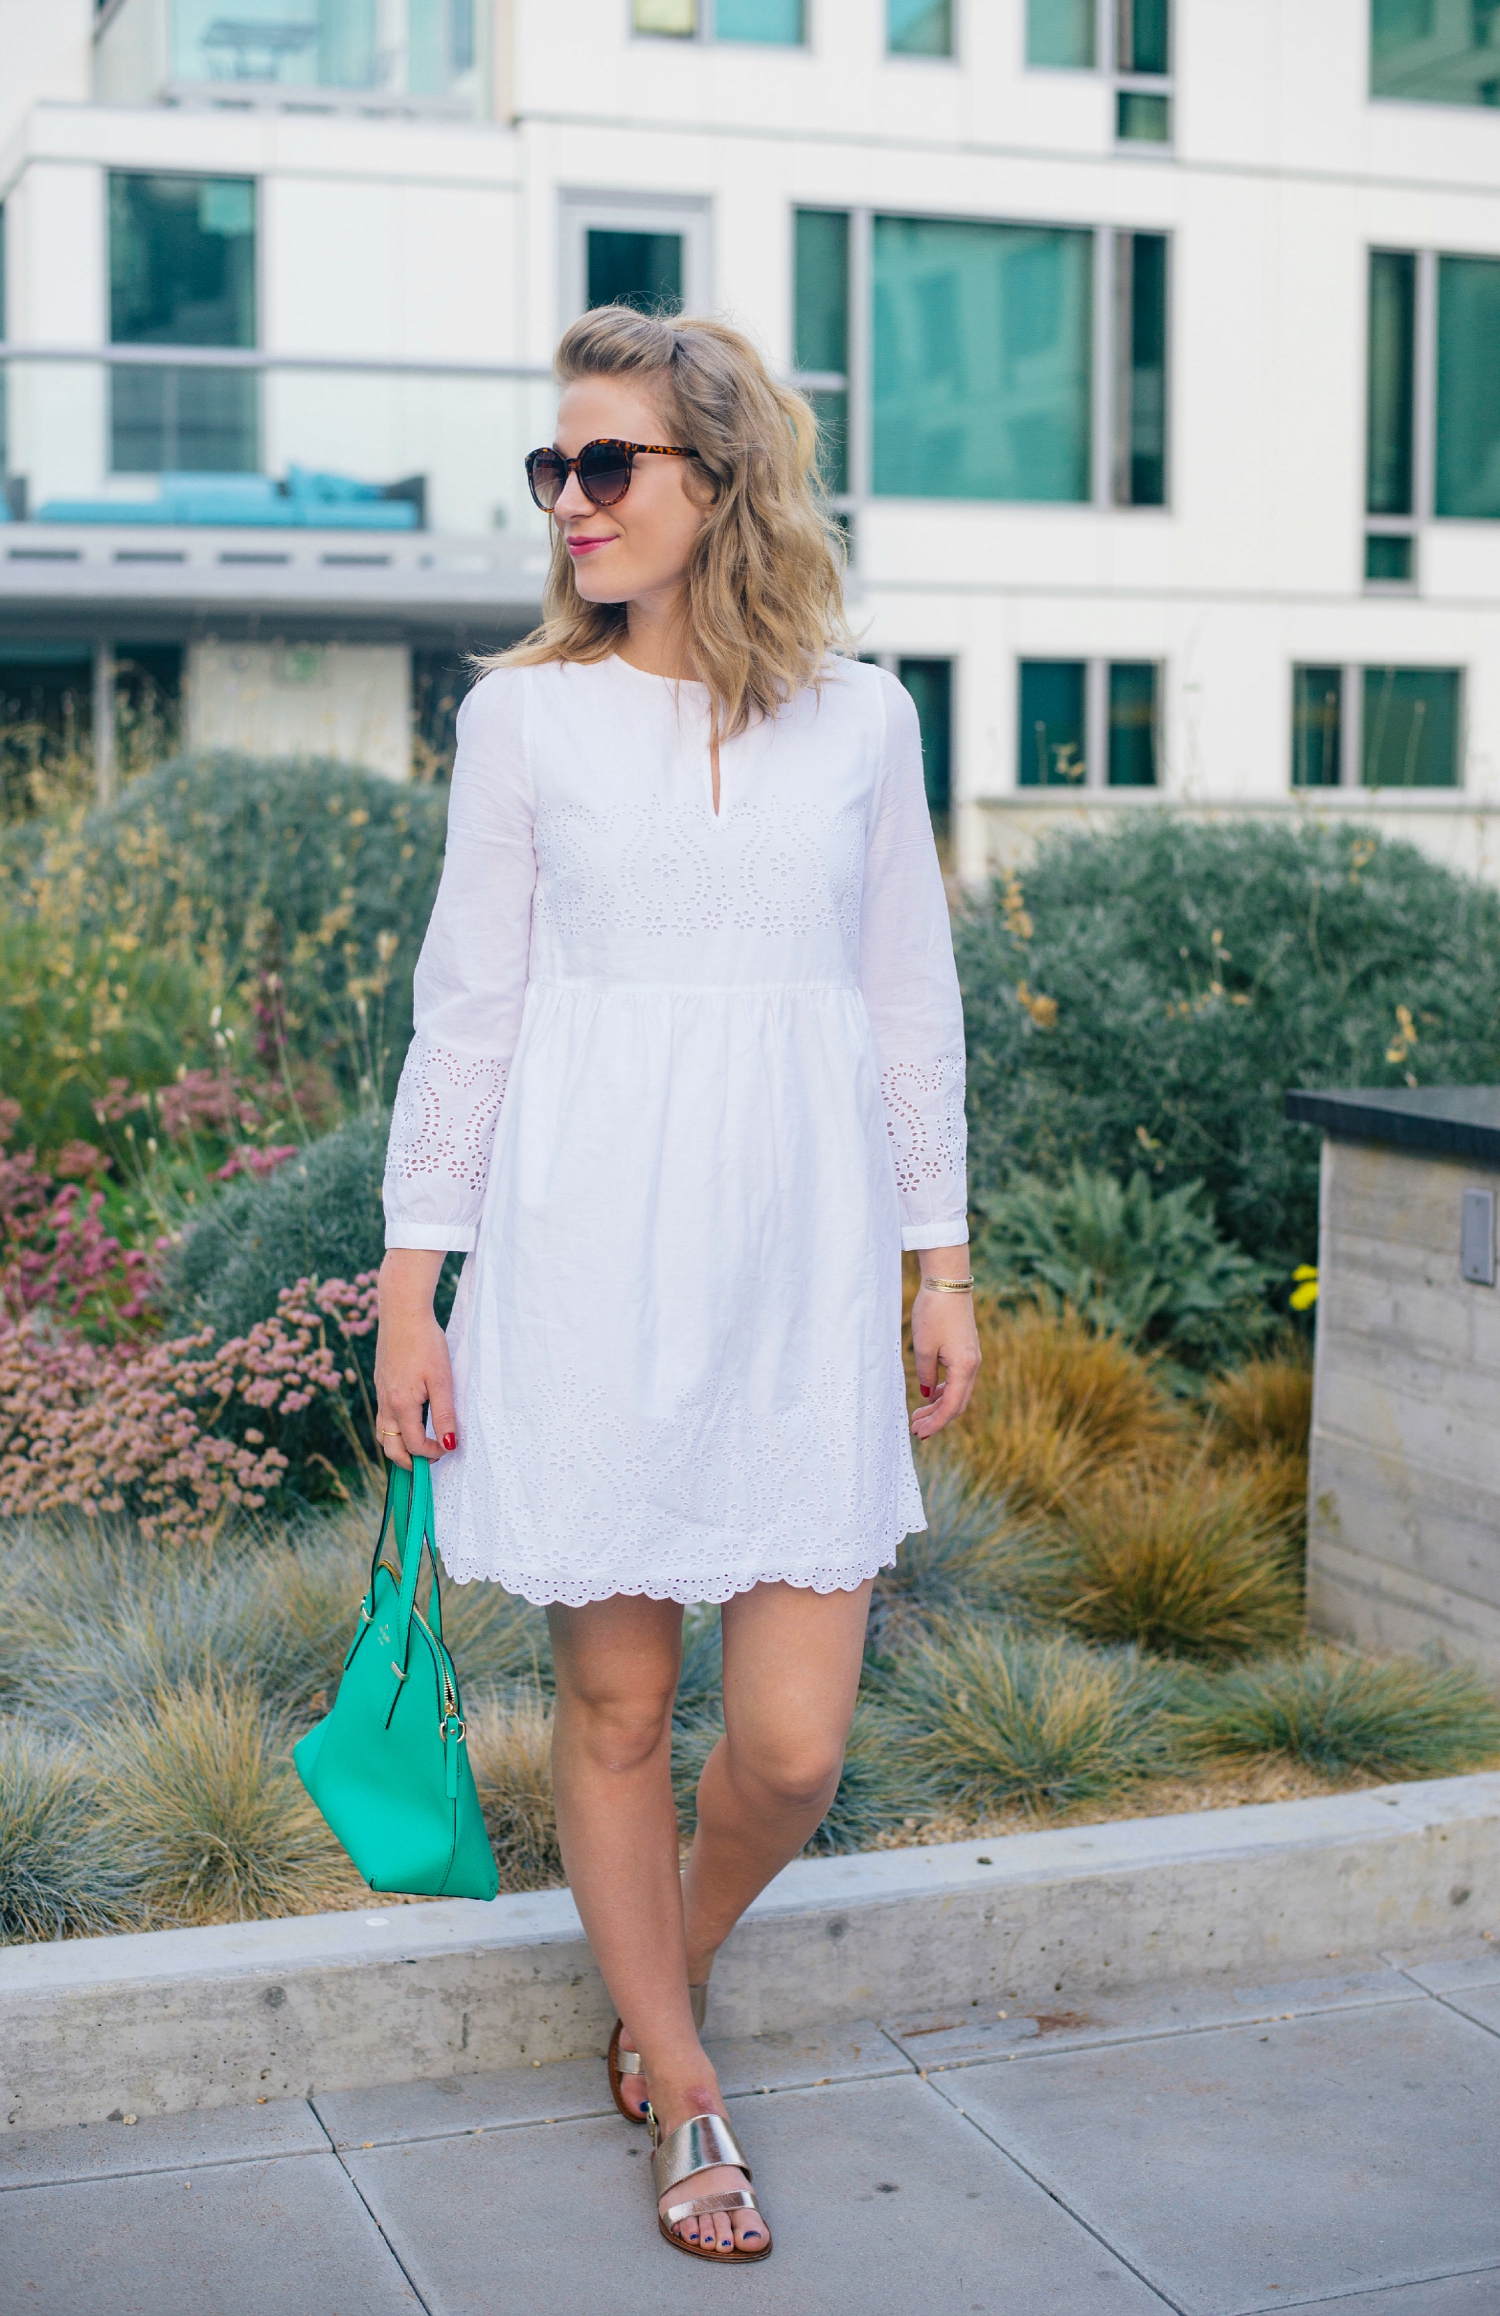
(930, 682)
(982, 360)
(1468, 387)
(1317, 726)
(821, 320)
(1061, 32)
(919, 27)
(287, 43)
(1146, 447)
(1144, 36)
(1050, 742)
(778, 21)
(181, 260)
(1389, 558)
(643, 270)
(1142, 119)
(1391, 382)
(1132, 724)
(1410, 727)
(1436, 52)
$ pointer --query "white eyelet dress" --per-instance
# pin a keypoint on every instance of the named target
(682, 1086)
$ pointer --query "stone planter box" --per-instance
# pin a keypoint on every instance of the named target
(1404, 1487)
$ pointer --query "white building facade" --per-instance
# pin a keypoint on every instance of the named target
(1158, 340)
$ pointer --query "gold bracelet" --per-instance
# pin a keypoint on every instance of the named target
(949, 1286)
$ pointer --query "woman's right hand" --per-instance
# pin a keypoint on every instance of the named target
(411, 1360)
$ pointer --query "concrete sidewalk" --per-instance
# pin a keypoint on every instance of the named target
(1216, 2149)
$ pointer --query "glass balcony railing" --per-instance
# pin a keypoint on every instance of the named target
(427, 52)
(147, 436)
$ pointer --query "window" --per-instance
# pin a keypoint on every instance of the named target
(1129, 39)
(930, 682)
(1376, 727)
(1436, 52)
(919, 27)
(1467, 481)
(977, 376)
(1062, 32)
(182, 273)
(643, 270)
(820, 331)
(1077, 714)
(778, 23)
(1317, 727)
(631, 249)
(981, 360)
(407, 48)
(1432, 409)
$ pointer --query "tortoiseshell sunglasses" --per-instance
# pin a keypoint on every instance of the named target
(603, 470)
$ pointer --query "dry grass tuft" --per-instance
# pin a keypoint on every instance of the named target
(208, 1812)
(510, 1753)
(1193, 1563)
(1056, 1405)
(1264, 1407)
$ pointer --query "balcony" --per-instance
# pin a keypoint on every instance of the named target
(222, 476)
(424, 56)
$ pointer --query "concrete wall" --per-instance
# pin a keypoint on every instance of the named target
(345, 700)
(1404, 1495)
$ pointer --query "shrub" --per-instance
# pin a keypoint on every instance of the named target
(1146, 1265)
(55, 1253)
(305, 886)
(201, 1798)
(1341, 1713)
(998, 1717)
(58, 1878)
(1054, 1404)
(1150, 995)
(510, 1752)
(1194, 1564)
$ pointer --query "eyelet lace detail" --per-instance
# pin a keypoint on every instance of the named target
(924, 1114)
(443, 1120)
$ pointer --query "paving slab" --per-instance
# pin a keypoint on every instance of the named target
(284, 2238)
(946, 2039)
(159, 2143)
(1445, 1969)
(1249, 2167)
(1474, 2295)
(569, 2089)
(879, 2196)
(1482, 2004)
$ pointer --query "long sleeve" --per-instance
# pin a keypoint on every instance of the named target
(910, 988)
(470, 981)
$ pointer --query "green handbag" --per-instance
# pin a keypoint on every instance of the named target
(389, 1766)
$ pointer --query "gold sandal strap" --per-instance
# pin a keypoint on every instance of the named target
(700, 2144)
(739, 2199)
(627, 2062)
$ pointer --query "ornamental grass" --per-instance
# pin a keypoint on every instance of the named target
(510, 1753)
(207, 1811)
(1190, 1563)
(972, 1557)
(1343, 1714)
(1262, 1408)
(60, 1872)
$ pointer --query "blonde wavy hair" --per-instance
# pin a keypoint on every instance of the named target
(765, 598)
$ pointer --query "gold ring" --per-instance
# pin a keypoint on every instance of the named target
(390, 1435)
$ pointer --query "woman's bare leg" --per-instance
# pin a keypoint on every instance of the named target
(791, 1670)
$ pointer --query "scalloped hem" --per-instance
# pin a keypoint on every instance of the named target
(824, 1581)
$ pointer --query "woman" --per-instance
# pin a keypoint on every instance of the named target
(687, 1075)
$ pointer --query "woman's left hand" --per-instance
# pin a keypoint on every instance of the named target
(943, 1335)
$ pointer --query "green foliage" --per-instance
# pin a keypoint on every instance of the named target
(1340, 1713)
(881, 1785)
(996, 1716)
(301, 891)
(1196, 972)
(1145, 1264)
(59, 1876)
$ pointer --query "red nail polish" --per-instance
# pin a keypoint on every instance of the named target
(450, 1439)
(927, 1391)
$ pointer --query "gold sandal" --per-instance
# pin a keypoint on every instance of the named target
(702, 2143)
(622, 2063)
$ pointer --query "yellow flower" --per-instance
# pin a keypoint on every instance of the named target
(1304, 1286)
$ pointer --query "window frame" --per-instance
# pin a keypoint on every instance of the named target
(1424, 413)
(1351, 712)
(1096, 724)
(1122, 81)
(580, 211)
(705, 34)
(1109, 385)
